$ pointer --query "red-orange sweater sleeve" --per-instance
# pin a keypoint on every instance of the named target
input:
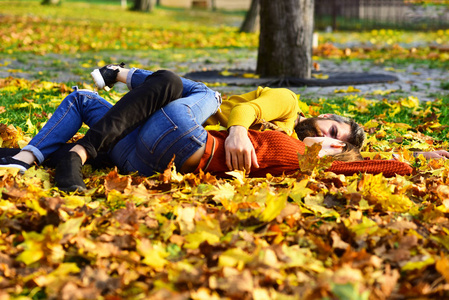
(277, 154)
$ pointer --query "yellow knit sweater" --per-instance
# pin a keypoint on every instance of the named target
(278, 106)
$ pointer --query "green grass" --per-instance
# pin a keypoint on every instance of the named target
(444, 85)
(165, 38)
(394, 109)
(28, 104)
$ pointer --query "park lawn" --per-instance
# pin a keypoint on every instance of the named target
(314, 235)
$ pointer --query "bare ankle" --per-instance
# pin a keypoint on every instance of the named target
(25, 156)
(122, 75)
(81, 151)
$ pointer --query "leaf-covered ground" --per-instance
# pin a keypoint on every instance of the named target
(314, 235)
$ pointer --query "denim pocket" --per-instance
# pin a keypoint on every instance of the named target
(153, 133)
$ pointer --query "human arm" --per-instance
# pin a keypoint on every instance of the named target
(433, 154)
(256, 107)
(240, 153)
(278, 105)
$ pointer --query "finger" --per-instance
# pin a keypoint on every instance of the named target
(254, 160)
(235, 162)
(228, 160)
(444, 153)
(240, 162)
(437, 156)
(247, 162)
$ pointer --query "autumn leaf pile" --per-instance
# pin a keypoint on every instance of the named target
(312, 235)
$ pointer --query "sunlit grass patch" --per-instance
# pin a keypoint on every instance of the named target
(28, 104)
(430, 118)
(81, 27)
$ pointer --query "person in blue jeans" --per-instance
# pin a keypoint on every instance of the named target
(163, 120)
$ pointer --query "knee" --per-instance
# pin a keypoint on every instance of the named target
(172, 82)
(72, 97)
(177, 110)
(84, 98)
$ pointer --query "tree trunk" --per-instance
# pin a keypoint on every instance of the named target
(251, 22)
(285, 41)
(143, 5)
(213, 5)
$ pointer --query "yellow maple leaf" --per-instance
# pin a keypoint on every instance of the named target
(226, 73)
(300, 190)
(303, 258)
(250, 75)
(27, 105)
(154, 254)
(274, 205)
(36, 244)
(311, 163)
(383, 92)
(216, 127)
(234, 257)
(315, 204)
(33, 203)
(71, 226)
(442, 266)
(350, 89)
(371, 124)
(427, 260)
(320, 76)
(73, 201)
(410, 102)
(376, 190)
(222, 192)
(205, 230)
(238, 175)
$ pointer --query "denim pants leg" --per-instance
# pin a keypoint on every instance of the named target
(174, 130)
(79, 107)
(138, 76)
(132, 110)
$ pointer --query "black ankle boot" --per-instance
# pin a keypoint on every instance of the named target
(68, 175)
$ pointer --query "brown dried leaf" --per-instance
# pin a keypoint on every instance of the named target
(116, 182)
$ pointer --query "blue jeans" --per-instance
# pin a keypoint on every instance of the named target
(174, 130)
(136, 77)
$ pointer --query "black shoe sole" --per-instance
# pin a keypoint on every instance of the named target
(73, 188)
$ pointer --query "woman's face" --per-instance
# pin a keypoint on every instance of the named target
(329, 146)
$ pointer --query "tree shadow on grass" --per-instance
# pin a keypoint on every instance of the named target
(248, 78)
